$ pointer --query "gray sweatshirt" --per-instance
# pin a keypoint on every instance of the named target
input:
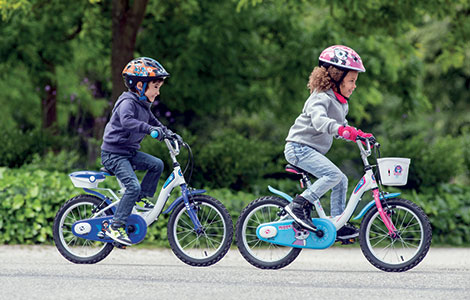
(319, 121)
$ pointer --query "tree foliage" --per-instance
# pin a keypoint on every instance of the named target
(239, 69)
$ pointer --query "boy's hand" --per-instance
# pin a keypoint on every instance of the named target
(173, 135)
(348, 132)
(157, 133)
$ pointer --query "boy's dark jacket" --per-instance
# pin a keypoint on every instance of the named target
(130, 122)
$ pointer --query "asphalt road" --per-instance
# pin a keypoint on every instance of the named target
(39, 272)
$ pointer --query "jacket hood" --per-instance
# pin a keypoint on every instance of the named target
(134, 97)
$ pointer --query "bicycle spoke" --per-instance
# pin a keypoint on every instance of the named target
(218, 221)
(380, 228)
(412, 225)
(403, 220)
(408, 245)
(379, 241)
(193, 241)
(189, 224)
(183, 231)
(182, 238)
(212, 241)
(207, 218)
(400, 252)
(257, 219)
(257, 243)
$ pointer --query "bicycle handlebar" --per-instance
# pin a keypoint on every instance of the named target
(173, 146)
(367, 141)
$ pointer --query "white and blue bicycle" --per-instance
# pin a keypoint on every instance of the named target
(395, 233)
(200, 229)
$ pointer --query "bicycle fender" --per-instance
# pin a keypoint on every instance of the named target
(180, 199)
(279, 193)
(99, 195)
(372, 203)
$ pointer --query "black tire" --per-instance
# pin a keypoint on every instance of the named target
(73, 248)
(204, 249)
(261, 254)
(406, 250)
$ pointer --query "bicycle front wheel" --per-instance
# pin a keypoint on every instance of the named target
(259, 253)
(209, 246)
(404, 251)
(72, 247)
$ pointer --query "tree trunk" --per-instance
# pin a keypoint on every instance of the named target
(48, 107)
(126, 22)
(127, 15)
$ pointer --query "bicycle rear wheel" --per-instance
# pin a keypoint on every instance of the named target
(72, 247)
(262, 254)
(208, 247)
(408, 248)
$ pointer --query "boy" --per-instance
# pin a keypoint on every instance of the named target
(130, 122)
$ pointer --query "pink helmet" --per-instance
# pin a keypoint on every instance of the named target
(342, 57)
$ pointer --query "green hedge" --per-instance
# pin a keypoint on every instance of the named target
(29, 201)
(448, 209)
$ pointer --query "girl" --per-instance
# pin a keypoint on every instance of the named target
(324, 117)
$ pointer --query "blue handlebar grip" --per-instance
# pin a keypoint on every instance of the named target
(154, 134)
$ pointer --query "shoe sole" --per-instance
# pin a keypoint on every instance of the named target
(345, 237)
(142, 208)
(299, 221)
(118, 240)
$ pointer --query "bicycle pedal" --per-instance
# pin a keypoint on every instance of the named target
(119, 245)
(347, 241)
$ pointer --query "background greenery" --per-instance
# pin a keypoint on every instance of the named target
(239, 72)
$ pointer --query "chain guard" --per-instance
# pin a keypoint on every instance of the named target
(94, 229)
(287, 233)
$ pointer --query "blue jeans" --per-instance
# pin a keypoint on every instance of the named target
(328, 174)
(123, 166)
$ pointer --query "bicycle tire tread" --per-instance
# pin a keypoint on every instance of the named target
(228, 240)
(424, 250)
(239, 241)
(55, 232)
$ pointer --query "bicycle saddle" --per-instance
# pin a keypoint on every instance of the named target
(296, 170)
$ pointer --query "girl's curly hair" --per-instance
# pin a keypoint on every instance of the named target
(320, 79)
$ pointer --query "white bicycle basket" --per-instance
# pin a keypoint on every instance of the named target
(393, 170)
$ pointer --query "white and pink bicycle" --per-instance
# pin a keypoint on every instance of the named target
(395, 234)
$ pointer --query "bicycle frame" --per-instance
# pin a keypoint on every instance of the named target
(366, 183)
(175, 179)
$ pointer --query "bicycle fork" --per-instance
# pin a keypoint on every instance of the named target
(191, 210)
(392, 231)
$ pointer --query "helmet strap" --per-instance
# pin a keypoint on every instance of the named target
(142, 92)
(338, 83)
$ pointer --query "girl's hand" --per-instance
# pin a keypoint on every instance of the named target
(348, 132)
(364, 134)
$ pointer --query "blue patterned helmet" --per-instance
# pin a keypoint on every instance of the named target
(143, 69)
